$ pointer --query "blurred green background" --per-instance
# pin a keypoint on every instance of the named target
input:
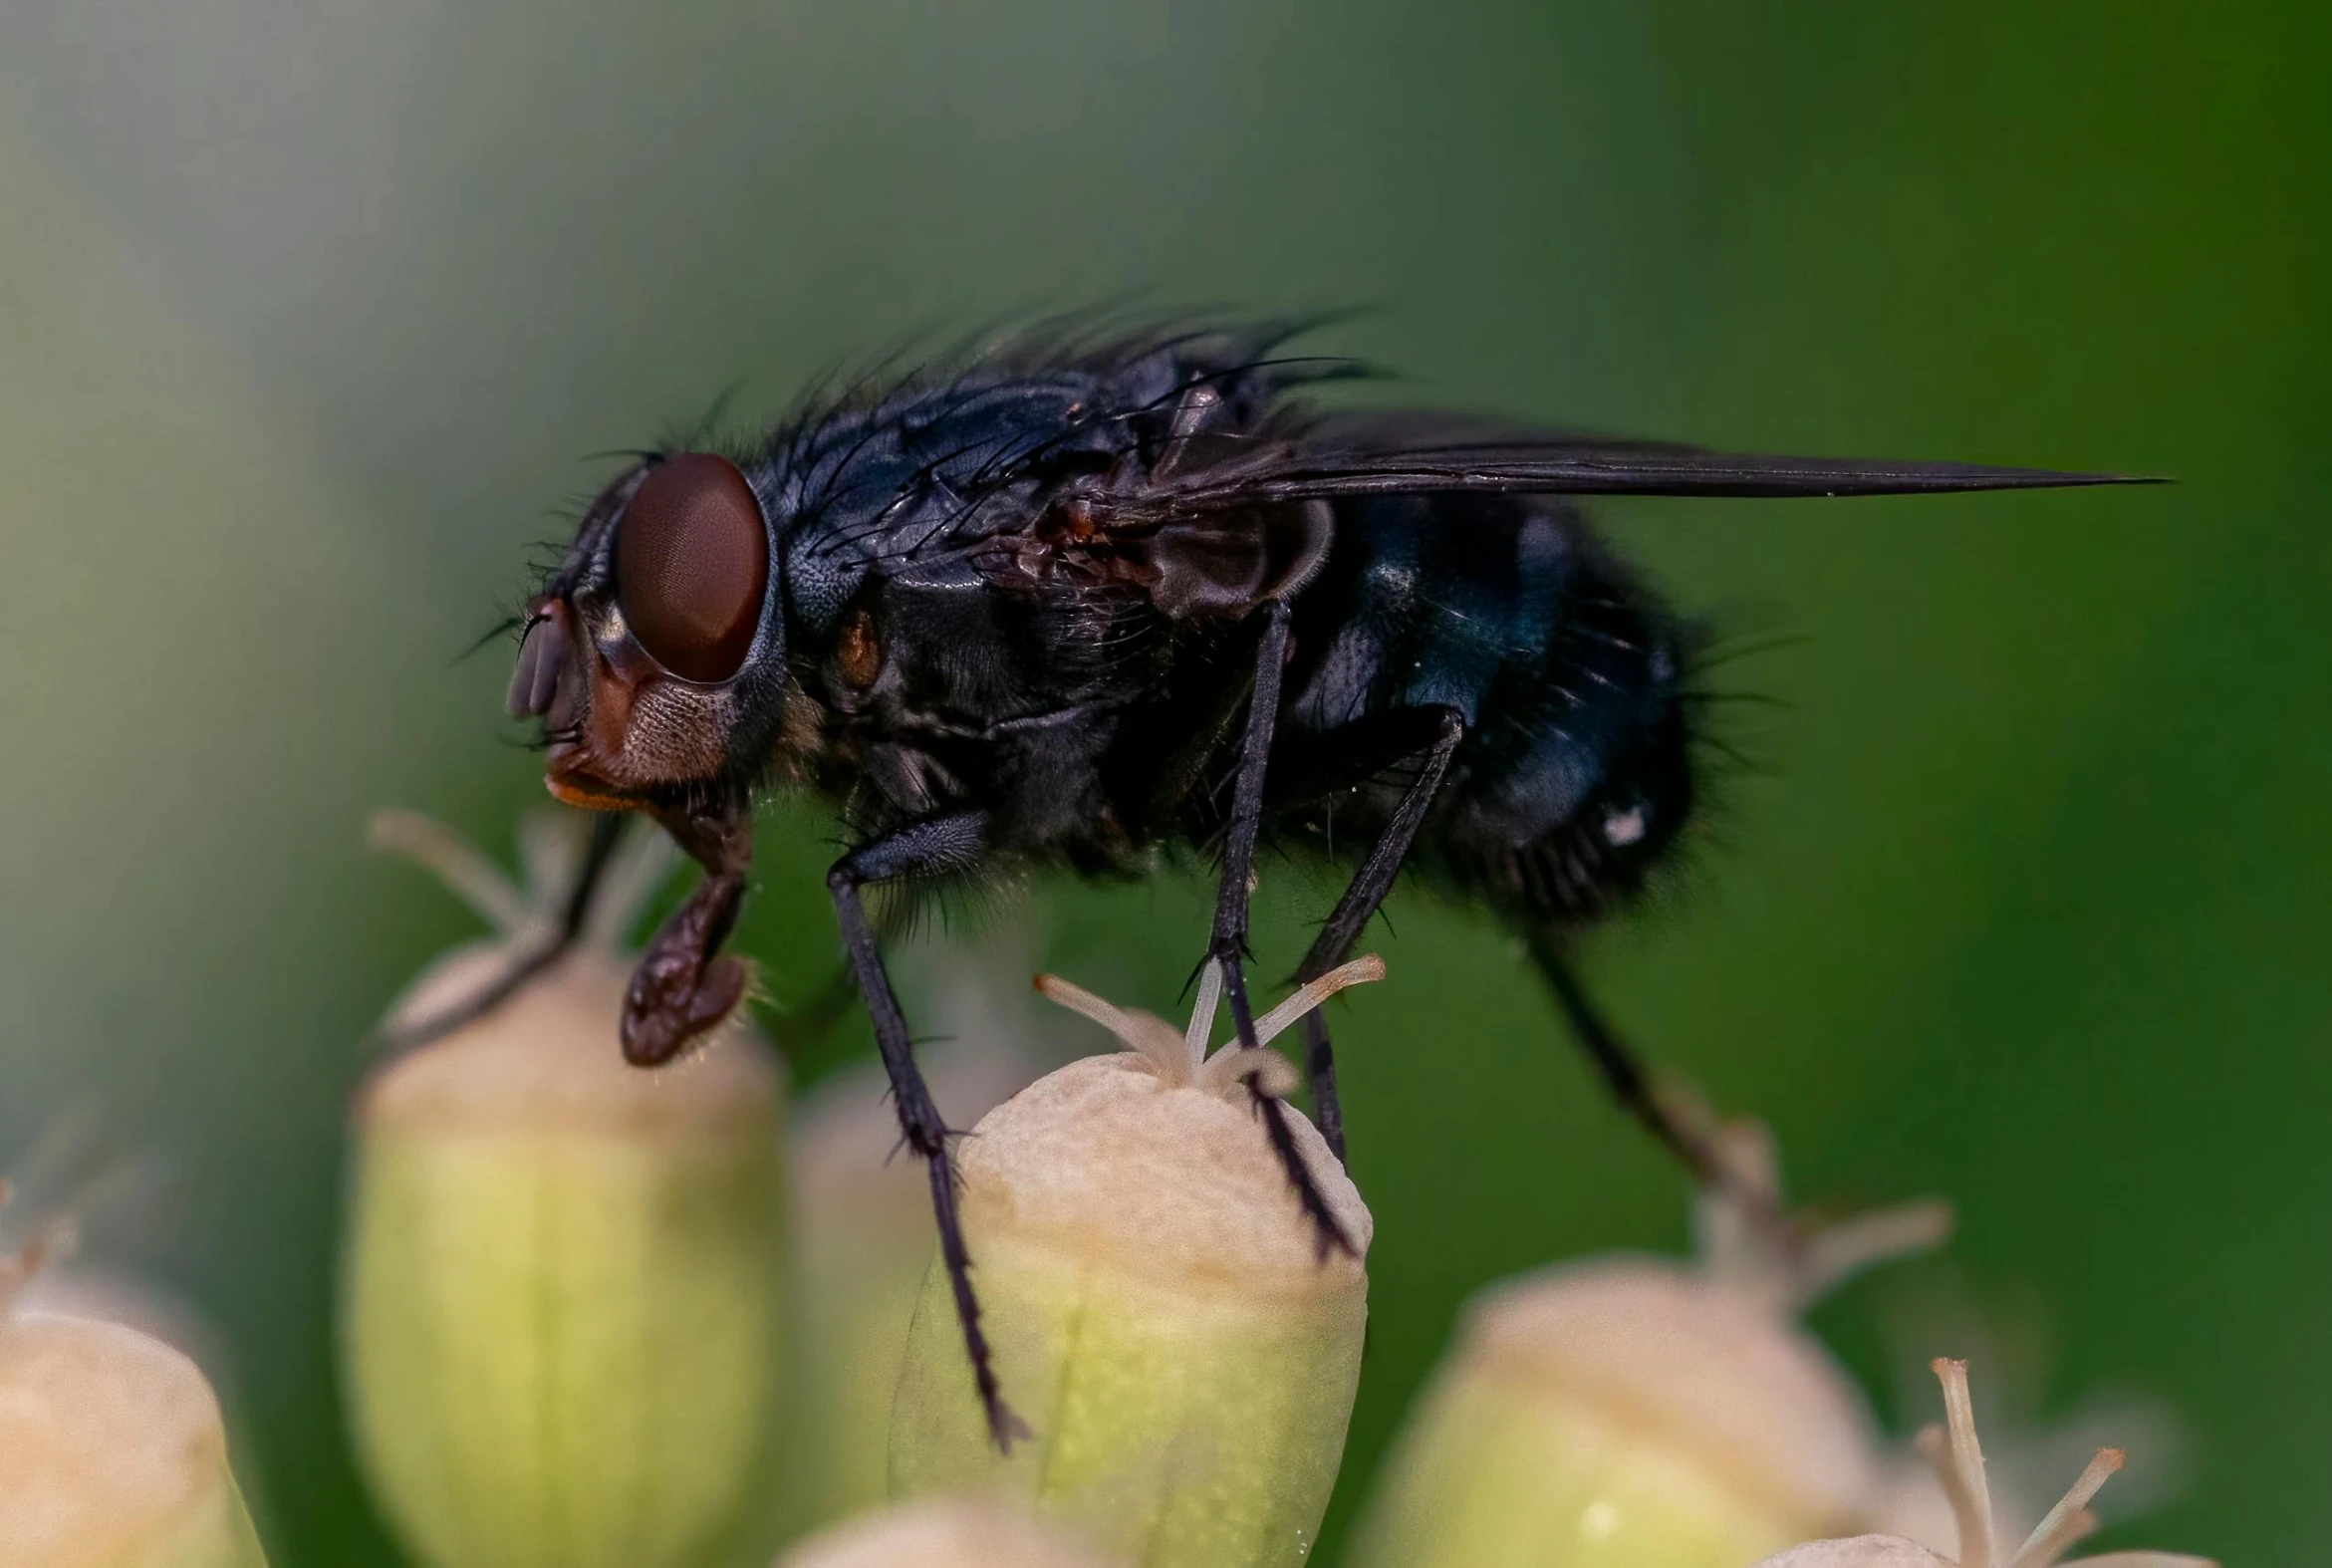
(309, 310)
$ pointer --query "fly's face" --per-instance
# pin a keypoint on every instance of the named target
(650, 654)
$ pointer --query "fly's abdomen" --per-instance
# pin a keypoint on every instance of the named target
(1574, 774)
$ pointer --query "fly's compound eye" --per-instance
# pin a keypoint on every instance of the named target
(693, 565)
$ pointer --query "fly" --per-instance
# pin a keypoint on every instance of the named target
(1078, 600)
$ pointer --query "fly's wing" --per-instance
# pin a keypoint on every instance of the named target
(1407, 454)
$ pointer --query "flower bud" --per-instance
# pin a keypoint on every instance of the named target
(1634, 1409)
(112, 1451)
(563, 1293)
(1161, 1311)
(863, 1238)
(944, 1532)
(1959, 1463)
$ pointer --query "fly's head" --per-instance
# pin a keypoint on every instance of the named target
(652, 653)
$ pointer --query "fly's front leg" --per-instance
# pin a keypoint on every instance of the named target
(681, 989)
(940, 844)
(606, 831)
(1227, 950)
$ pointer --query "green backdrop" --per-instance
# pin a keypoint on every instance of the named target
(306, 314)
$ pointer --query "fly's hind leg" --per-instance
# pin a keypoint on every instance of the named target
(1629, 1082)
(1623, 1072)
(936, 845)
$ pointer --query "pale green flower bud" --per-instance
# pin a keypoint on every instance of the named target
(944, 1532)
(1161, 1312)
(112, 1451)
(563, 1304)
(1636, 1410)
(1959, 1462)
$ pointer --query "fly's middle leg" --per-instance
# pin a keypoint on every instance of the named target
(1227, 950)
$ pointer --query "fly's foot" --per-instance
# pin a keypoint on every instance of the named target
(1328, 1233)
(675, 997)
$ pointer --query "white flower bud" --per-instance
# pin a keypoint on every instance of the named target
(1959, 1462)
(112, 1451)
(1635, 1410)
(563, 1296)
(944, 1532)
(1161, 1312)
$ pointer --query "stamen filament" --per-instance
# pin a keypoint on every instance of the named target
(1145, 1033)
(1360, 972)
(2070, 1519)
(1200, 1034)
(1085, 1004)
(1961, 1467)
(457, 863)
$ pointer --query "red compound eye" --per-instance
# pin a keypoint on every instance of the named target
(693, 565)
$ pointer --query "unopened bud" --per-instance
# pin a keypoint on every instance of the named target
(1635, 1410)
(112, 1451)
(1162, 1309)
(1959, 1462)
(944, 1532)
(564, 1292)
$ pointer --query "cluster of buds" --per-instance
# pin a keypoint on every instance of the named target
(583, 1326)
(112, 1454)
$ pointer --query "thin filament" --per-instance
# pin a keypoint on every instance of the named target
(1960, 1465)
(2070, 1519)
(1200, 1034)
(478, 880)
(1085, 1004)
(1360, 972)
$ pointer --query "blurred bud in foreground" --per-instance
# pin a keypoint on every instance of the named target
(1636, 1410)
(1959, 1462)
(863, 1235)
(1159, 1305)
(563, 1290)
(944, 1532)
(112, 1451)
